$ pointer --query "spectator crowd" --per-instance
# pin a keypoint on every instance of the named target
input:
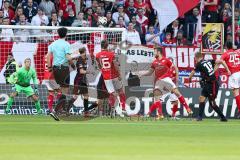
(137, 16)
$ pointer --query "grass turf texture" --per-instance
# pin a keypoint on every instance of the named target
(41, 138)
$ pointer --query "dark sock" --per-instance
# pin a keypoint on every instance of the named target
(60, 103)
(219, 112)
(94, 105)
(70, 103)
(201, 109)
(85, 104)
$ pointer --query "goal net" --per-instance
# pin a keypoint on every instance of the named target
(21, 42)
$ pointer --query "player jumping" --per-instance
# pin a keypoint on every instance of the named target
(111, 75)
(163, 84)
(21, 83)
(232, 60)
(209, 85)
(52, 87)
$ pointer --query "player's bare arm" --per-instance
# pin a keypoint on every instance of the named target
(145, 73)
(191, 75)
(49, 65)
(218, 63)
(177, 73)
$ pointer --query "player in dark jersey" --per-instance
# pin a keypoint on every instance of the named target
(81, 83)
(209, 84)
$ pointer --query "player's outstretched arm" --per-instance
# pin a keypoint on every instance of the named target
(220, 61)
(191, 75)
(177, 74)
(145, 73)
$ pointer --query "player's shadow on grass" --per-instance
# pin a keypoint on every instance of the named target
(77, 118)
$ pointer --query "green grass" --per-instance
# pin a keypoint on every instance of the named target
(41, 138)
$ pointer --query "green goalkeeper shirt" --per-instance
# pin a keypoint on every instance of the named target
(23, 77)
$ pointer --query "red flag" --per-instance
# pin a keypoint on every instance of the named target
(169, 10)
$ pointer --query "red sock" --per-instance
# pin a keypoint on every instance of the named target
(183, 102)
(174, 110)
(122, 100)
(50, 101)
(112, 100)
(238, 102)
(154, 106)
(159, 106)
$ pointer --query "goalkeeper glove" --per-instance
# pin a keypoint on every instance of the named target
(13, 88)
(36, 90)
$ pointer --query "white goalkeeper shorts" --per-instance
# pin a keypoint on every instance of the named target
(165, 85)
(234, 80)
(113, 85)
(51, 85)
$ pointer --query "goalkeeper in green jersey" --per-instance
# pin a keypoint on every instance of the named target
(20, 81)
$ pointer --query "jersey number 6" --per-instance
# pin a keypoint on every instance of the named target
(105, 63)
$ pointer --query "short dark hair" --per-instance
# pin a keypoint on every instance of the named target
(198, 54)
(229, 45)
(82, 50)
(104, 44)
(62, 32)
(158, 48)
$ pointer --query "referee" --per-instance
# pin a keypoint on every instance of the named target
(209, 85)
(60, 50)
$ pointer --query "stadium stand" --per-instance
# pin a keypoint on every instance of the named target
(119, 14)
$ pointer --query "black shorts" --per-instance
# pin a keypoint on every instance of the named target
(102, 92)
(80, 86)
(62, 75)
(210, 89)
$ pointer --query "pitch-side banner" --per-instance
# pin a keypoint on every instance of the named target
(136, 58)
(138, 101)
(212, 38)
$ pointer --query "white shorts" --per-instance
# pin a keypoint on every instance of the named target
(234, 80)
(113, 85)
(165, 85)
(172, 97)
(51, 84)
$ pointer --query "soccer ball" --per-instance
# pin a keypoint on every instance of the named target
(102, 21)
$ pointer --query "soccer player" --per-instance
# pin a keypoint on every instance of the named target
(80, 81)
(51, 85)
(60, 50)
(232, 60)
(21, 83)
(209, 84)
(163, 84)
(111, 75)
(172, 97)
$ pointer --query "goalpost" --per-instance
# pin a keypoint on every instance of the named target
(32, 42)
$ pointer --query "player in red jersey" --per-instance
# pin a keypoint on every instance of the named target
(232, 59)
(111, 75)
(51, 85)
(163, 84)
(172, 97)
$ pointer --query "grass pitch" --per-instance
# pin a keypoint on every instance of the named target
(42, 138)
